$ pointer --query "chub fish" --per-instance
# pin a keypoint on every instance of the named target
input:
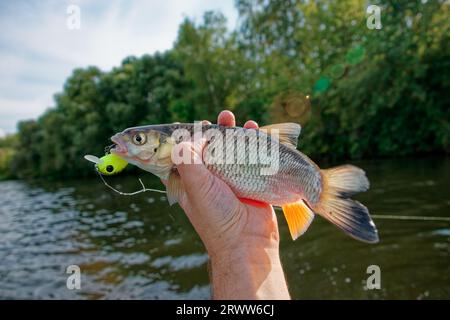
(295, 183)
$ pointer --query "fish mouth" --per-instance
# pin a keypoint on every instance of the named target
(120, 148)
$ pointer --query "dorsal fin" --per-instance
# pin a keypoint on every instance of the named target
(288, 132)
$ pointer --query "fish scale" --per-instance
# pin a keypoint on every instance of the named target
(297, 177)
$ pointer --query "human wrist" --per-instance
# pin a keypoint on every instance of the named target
(251, 251)
(250, 271)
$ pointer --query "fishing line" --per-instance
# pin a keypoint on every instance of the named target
(411, 218)
(375, 216)
(417, 218)
(144, 189)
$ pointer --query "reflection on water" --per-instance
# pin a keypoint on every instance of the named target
(140, 248)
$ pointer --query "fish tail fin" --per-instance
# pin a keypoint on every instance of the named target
(335, 205)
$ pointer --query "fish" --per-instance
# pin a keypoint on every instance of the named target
(296, 183)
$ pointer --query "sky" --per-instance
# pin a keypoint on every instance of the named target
(38, 50)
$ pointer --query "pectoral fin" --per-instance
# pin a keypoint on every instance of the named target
(298, 216)
(174, 188)
(288, 133)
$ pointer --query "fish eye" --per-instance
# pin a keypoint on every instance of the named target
(110, 168)
(139, 139)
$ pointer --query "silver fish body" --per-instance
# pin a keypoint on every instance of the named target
(239, 157)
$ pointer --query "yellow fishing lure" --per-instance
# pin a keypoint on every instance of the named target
(107, 165)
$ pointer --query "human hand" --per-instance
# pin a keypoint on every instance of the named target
(242, 239)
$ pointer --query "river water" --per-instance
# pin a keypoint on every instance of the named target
(140, 248)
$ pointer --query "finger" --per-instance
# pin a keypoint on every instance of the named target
(250, 124)
(226, 118)
(206, 122)
(190, 165)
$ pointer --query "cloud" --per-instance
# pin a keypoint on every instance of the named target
(38, 52)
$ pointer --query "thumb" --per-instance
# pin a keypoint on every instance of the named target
(203, 189)
(188, 158)
(208, 200)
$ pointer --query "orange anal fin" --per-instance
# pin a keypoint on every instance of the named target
(254, 203)
(298, 216)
